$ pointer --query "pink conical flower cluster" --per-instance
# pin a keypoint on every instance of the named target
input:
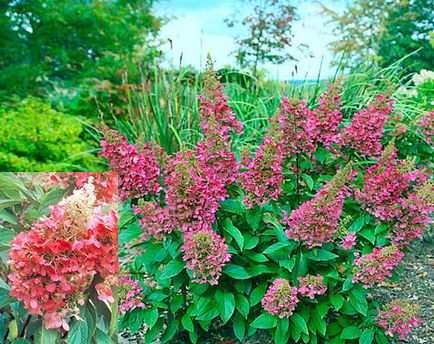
(376, 266)
(205, 253)
(139, 170)
(398, 317)
(426, 126)
(366, 129)
(280, 298)
(311, 285)
(263, 178)
(327, 116)
(385, 184)
(316, 221)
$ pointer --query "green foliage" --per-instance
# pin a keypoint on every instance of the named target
(52, 41)
(35, 137)
(382, 32)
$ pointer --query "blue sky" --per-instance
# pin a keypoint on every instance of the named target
(199, 28)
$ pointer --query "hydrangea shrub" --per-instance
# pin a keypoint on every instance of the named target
(62, 265)
(288, 237)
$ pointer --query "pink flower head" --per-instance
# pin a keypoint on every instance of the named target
(139, 170)
(298, 128)
(54, 263)
(193, 192)
(316, 221)
(280, 298)
(349, 241)
(130, 294)
(205, 253)
(366, 129)
(415, 215)
(398, 317)
(214, 106)
(385, 183)
(426, 126)
(263, 178)
(311, 285)
(155, 220)
(327, 116)
(376, 266)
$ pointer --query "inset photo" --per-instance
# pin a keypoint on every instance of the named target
(58, 257)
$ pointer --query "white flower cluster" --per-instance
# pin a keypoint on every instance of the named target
(423, 76)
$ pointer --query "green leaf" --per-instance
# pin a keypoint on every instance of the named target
(348, 284)
(154, 331)
(239, 327)
(44, 336)
(257, 294)
(358, 301)
(234, 232)
(170, 331)
(337, 301)
(264, 321)
(308, 179)
(351, 332)
(368, 234)
(5, 203)
(251, 243)
(242, 305)
(232, 206)
(172, 269)
(236, 271)
(321, 255)
(187, 323)
(176, 303)
(253, 217)
(135, 319)
(6, 236)
(102, 337)
(225, 304)
(276, 247)
(257, 257)
(367, 336)
(357, 225)
(281, 335)
(299, 322)
(150, 316)
(132, 232)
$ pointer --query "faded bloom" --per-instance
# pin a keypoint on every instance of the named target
(205, 253)
(398, 317)
(280, 298)
(426, 126)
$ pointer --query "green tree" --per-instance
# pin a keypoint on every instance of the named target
(408, 29)
(381, 32)
(268, 35)
(50, 40)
